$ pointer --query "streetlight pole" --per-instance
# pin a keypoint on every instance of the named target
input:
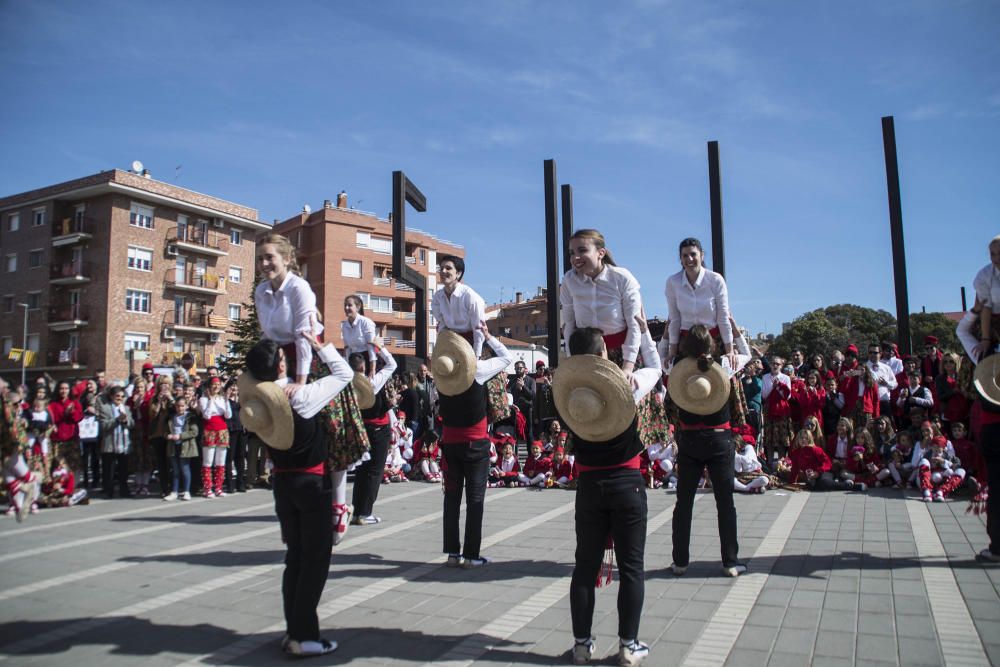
(24, 347)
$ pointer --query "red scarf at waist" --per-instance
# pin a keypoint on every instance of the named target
(215, 423)
(378, 421)
(318, 469)
(633, 464)
(615, 340)
(291, 357)
(703, 427)
(459, 435)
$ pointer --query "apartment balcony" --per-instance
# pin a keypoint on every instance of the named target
(382, 282)
(405, 315)
(207, 242)
(401, 343)
(193, 321)
(72, 231)
(71, 358)
(403, 287)
(68, 317)
(195, 282)
(70, 273)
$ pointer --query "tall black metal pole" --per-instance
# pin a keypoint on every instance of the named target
(715, 199)
(964, 307)
(567, 224)
(552, 261)
(896, 230)
(403, 192)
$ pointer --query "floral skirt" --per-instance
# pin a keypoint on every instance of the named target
(496, 391)
(347, 439)
(216, 438)
(653, 417)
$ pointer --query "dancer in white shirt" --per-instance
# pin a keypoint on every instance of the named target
(359, 333)
(286, 304)
(456, 306)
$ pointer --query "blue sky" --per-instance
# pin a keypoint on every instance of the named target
(275, 105)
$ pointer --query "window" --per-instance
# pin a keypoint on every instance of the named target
(8, 303)
(236, 237)
(423, 255)
(136, 341)
(35, 258)
(363, 239)
(140, 259)
(365, 297)
(137, 301)
(38, 217)
(11, 264)
(235, 274)
(13, 222)
(141, 216)
(382, 246)
(350, 268)
(34, 300)
(235, 312)
(78, 213)
(8, 345)
(381, 304)
(34, 341)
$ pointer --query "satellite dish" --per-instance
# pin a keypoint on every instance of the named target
(306, 208)
(137, 166)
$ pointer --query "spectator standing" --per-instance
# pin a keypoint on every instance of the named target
(522, 388)
(116, 442)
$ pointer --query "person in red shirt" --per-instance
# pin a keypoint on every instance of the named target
(847, 380)
(66, 415)
(506, 469)
(810, 396)
(562, 469)
(864, 463)
(811, 465)
(953, 404)
(969, 454)
(776, 390)
(536, 468)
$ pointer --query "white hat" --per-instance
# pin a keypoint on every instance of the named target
(593, 397)
(453, 364)
(265, 410)
(698, 392)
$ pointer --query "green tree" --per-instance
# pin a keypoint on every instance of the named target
(812, 332)
(246, 332)
(934, 324)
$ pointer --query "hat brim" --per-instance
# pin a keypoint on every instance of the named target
(686, 369)
(449, 344)
(364, 392)
(987, 378)
(604, 378)
(274, 425)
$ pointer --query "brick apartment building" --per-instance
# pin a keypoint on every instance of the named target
(521, 319)
(343, 251)
(118, 262)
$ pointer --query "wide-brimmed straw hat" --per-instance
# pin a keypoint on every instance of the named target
(698, 392)
(453, 364)
(593, 397)
(987, 378)
(265, 410)
(364, 392)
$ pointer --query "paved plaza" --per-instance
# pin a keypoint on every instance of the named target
(835, 579)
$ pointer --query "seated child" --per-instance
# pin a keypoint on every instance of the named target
(21, 483)
(506, 470)
(863, 462)
(659, 458)
(536, 468)
(561, 470)
(811, 466)
(60, 490)
(939, 472)
(395, 467)
(554, 437)
(970, 455)
(901, 459)
(750, 477)
(427, 455)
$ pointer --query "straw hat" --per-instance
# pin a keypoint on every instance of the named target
(364, 392)
(593, 397)
(697, 392)
(987, 378)
(265, 410)
(453, 364)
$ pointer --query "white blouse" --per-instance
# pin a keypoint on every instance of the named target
(358, 336)
(707, 303)
(746, 461)
(609, 302)
(461, 311)
(987, 286)
(215, 406)
(286, 312)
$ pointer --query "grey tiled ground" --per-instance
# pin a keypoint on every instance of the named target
(848, 588)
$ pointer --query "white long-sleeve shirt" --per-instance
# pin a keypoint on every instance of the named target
(215, 406)
(383, 375)
(609, 302)
(358, 336)
(460, 311)
(286, 312)
(987, 287)
(313, 397)
(487, 368)
(746, 461)
(885, 378)
(965, 335)
(706, 302)
(767, 383)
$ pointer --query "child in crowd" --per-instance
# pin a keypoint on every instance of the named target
(561, 470)
(20, 481)
(182, 445)
(554, 437)
(506, 470)
(395, 467)
(536, 468)
(938, 470)
(427, 455)
(901, 459)
(833, 405)
(658, 461)
(750, 478)
(60, 490)
(811, 465)
(815, 427)
(864, 462)
(885, 437)
(40, 427)
(838, 445)
(969, 454)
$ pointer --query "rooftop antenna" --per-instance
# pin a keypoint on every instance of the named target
(136, 166)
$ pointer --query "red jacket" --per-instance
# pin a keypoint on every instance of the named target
(808, 458)
(65, 415)
(953, 404)
(971, 457)
(777, 401)
(564, 469)
(810, 402)
(831, 446)
(514, 469)
(860, 468)
(535, 466)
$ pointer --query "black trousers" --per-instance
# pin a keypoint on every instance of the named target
(164, 469)
(238, 452)
(711, 448)
(303, 503)
(468, 465)
(611, 503)
(989, 440)
(91, 463)
(368, 475)
(110, 463)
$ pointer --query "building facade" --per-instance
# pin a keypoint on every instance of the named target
(342, 251)
(522, 319)
(116, 268)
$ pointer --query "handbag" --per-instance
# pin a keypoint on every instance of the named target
(89, 428)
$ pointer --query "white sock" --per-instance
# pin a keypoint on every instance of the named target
(339, 480)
